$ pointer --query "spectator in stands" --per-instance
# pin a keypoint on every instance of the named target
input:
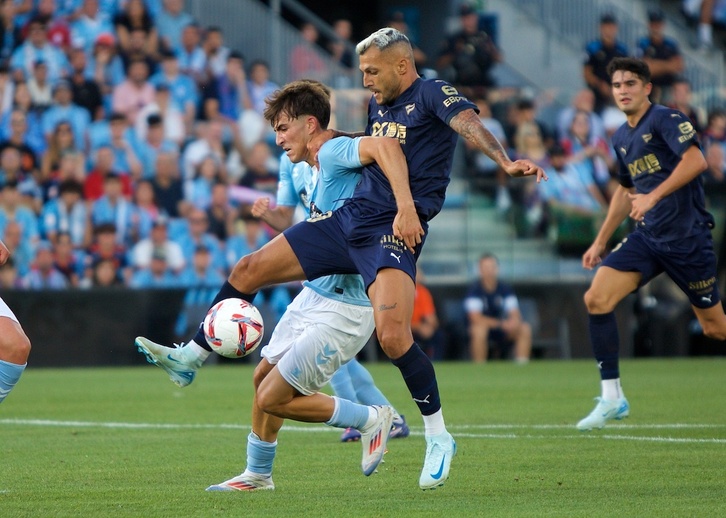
(9, 34)
(21, 250)
(58, 31)
(43, 274)
(105, 66)
(86, 92)
(525, 112)
(341, 53)
(60, 142)
(146, 209)
(171, 22)
(154, 143)
(12, 208)
(261, 171)
(183, 89)
(193, 57)
(201, 272)
(589, 152)
(468, 56)
(230, 89)
(9, 277)
(425, 322)
(135, 92)
(39, 87)
(598, 54)
(198, 192)
(122, 142)
(682, 100)
(105, 247)
(209, 142)
(582, 101)
(220, 212)
(157, 275)
(706, 13)
(30, 145)
(37, 48)
(104, 165)
(259, 85)
(397, 20)
(168, 112)
(67, 260)
(138, 49)
(198, 235)
(216, 53)
(143, 251)
(529, 144)
(104, 274)
(494, 317)
(71, 167)
(11, 170)
(168, 187)
(114, 207)
(89, 24)
(662, 55)
(306, 61)
(248, 235)
(135, 16)
(7, 85)
(714, 142)
(63, 109)
(67, 214)
(22, 102)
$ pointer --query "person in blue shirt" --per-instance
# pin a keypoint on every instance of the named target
(380, 230)
(661, 189)
(157, 275)
(182, 87)
(598, 53)
(63, 109)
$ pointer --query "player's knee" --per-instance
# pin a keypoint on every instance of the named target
(265, 401)
(596, 302)
(15, 347)
(261, 371)
(394, 340)
(243, 274)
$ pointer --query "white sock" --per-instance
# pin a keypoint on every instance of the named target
(611, 389)
(705, 34)
(434, 423)
(196, 351)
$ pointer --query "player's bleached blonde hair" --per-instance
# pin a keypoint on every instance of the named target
(382, 39)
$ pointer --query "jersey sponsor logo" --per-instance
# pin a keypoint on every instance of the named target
(647, 164)
(389, 129)
(453, 99)
(647, 137)
(687, 132)
(702, 285)
(410, 108)
(391, 242)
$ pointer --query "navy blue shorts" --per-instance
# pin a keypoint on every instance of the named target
(356, 238)
(691, 263)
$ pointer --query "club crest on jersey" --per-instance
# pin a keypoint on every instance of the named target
(647, 137)
(410, 108)
(623, 151)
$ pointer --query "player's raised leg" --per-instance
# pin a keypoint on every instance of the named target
(392, 296)
(273, 263)
(609, 286)
(14, 350)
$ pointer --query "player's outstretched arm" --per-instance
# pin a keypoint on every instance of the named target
(692, 164)
(617, 212)
(467, 124)
(387, 153)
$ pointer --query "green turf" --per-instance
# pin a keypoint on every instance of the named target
(126, 442)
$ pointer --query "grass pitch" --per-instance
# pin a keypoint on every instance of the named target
(126, 442)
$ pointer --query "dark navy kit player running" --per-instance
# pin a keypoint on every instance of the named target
(660, 162)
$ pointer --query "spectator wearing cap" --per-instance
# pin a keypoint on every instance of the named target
(143, 251)
(37, 48)
(153, 144)
(67, 213)
(171, 23)
(168, 112)
(183, 89)
(39, 87)
(43, 274)
(86, 92)
(599, 52)
(662, 55)
(63, 109)
(58, 32)
(114, 207)
(192, 57)
(469, 55)
(135, 92)
(89, 24)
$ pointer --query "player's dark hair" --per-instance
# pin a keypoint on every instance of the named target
(304, 97)
(489, 255)
(635, 66)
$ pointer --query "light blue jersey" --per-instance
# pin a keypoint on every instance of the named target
(322, 190)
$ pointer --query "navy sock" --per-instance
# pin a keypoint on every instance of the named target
(227, 291)
(605, 344)
(420, 377)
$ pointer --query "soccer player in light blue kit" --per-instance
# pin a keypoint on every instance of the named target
(14, 344)
(351, 381)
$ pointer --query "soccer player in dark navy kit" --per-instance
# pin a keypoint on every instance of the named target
(379, 232)
(660, 162)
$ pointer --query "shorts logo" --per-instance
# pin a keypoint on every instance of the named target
(396, 257)
(706, 299)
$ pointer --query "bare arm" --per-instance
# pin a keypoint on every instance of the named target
(387, 153)
(691, 165)
(617, 212)
(4, 253)
(279, 218)
(467, 124)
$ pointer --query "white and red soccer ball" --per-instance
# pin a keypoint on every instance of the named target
(233, 328)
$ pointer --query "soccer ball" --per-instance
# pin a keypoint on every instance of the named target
(233, 328)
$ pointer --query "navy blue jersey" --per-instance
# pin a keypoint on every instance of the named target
(419, 118)
(647, 154)
(665, 49)
(496, 304)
